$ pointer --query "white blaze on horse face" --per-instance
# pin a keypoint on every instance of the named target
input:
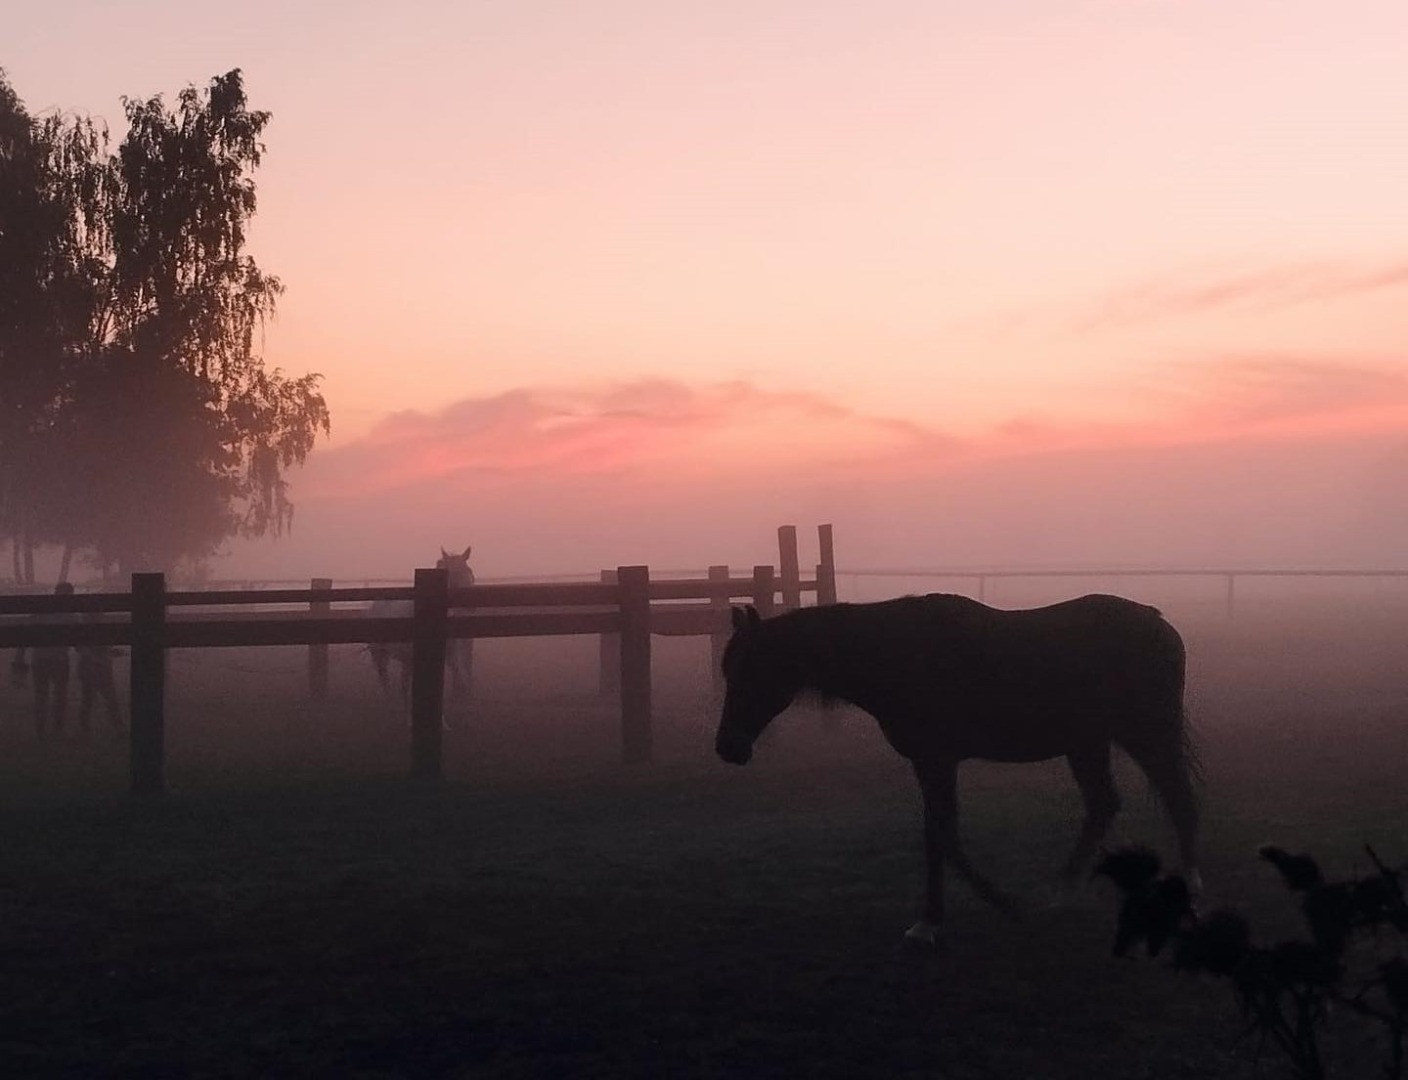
(734, 746)
(924, 932)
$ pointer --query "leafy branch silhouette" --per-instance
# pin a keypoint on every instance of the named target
(1287, 990)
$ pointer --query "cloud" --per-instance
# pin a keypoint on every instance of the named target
(621, 431)
(1252, 459)
(1256, 290)
(629, 436)
(1278, 396)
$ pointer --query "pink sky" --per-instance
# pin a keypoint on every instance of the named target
(638, 281)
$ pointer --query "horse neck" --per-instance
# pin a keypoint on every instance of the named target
(461, 575)
(802, 644)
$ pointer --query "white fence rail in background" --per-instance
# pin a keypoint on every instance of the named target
(1226, 577)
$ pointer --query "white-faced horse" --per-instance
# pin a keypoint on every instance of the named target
(459, 652)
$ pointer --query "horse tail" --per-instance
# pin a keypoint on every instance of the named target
(1190, 756)
(1167, 733)
(1190, 749)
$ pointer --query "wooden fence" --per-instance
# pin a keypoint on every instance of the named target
(625, 611)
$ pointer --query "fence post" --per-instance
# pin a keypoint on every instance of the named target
(636, 742)
(430, 622)
(764, 589)
(718, 638)
(826, 569)
(609, 673)
(787, 564)
(148, 684)
(318, 652)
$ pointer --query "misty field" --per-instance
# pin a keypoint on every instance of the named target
(295, 906)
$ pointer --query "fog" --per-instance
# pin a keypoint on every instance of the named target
(537, 495)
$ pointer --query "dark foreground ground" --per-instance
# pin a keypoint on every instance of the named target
(295, 908)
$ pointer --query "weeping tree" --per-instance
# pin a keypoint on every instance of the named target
(147, 388)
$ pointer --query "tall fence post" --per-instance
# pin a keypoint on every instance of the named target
(826, 569)
(318, 651)
(636, 736)
(609, 672)
(718, 637)
(789, 567)
(429, 626)
(148, 684)
(764, 589)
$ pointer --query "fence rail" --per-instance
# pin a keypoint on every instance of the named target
(625, 609)
(1227, 575)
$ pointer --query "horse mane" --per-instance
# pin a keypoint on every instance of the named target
(817, 646)
(809, 645)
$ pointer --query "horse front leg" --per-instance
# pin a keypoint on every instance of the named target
(381, 660)
(1090, 765)
(939, 786)
(462, 665)
(938, 780)
(456, 676)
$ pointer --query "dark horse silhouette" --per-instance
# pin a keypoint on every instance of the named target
(459, 652)
(948, 678)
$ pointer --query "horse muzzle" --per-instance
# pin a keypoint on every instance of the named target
(734, 751)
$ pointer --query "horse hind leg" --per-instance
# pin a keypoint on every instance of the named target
(1166, 762)
(1091, 768)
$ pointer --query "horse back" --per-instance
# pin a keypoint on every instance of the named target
(1088, 644)
(1017, 684)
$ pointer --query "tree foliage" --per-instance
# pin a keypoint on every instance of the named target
(44, 300)
(130, 340)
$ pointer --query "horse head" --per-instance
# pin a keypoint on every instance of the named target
(758, 686)
(458, 566)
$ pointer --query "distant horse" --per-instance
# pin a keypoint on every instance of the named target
(459, 652)
(948, 679)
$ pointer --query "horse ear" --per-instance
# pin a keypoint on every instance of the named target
(444, 554)
(467, 549)
(746, 616)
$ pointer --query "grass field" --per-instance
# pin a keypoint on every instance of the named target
(294, 907)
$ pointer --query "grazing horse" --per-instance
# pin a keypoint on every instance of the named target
(459, 652)
(948, 679)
